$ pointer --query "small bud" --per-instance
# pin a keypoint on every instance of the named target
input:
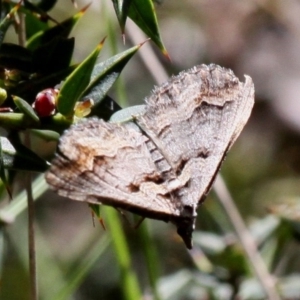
(3, 95)
(12, 77)
(83, 108)
(45, 102)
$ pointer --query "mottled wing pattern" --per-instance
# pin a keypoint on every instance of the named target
(194, 119)
(162, 162)
(108, 163)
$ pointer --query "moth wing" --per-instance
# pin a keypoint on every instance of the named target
(99, 162)
(194, 119)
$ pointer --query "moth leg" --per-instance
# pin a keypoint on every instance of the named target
(124, 216)
(93, 218)
(137, 225)
(100, 219)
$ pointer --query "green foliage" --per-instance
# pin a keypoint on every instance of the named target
(142, 12)
(45, 62)
(17, 157)
(75, 84)
(104, 74)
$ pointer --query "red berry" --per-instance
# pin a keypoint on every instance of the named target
(45, 102)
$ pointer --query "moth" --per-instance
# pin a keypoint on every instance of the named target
(162, 160)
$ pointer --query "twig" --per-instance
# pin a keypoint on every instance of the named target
(28, 187)
(246, 239)
(31, 232)
(21, 30)
(146, 53)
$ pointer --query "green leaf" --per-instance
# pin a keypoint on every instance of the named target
(96, 208)
(127, 114)
(28, 89)
(13, 56)
(76, 83)
(47, 135)
(3, 95)
(60, 30)
(19, 157)
(14, 121)
(25, 108)
(287, 209)
(262, 229)
(121, 8)
(30, 8)
(53, 56)
(106, 73)
(35, 25)
(210, 243)
(142, 12)
(290, 286)
(128, 280)
(19, 121)
(152, 258)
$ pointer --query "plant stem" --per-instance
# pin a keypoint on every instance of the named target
(129, 282)
(151, 257)
(31, 239)
(146, 53)
(28, 187)
(246, 239)
(31, 233)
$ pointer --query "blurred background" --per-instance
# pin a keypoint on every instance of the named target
(259, 38)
